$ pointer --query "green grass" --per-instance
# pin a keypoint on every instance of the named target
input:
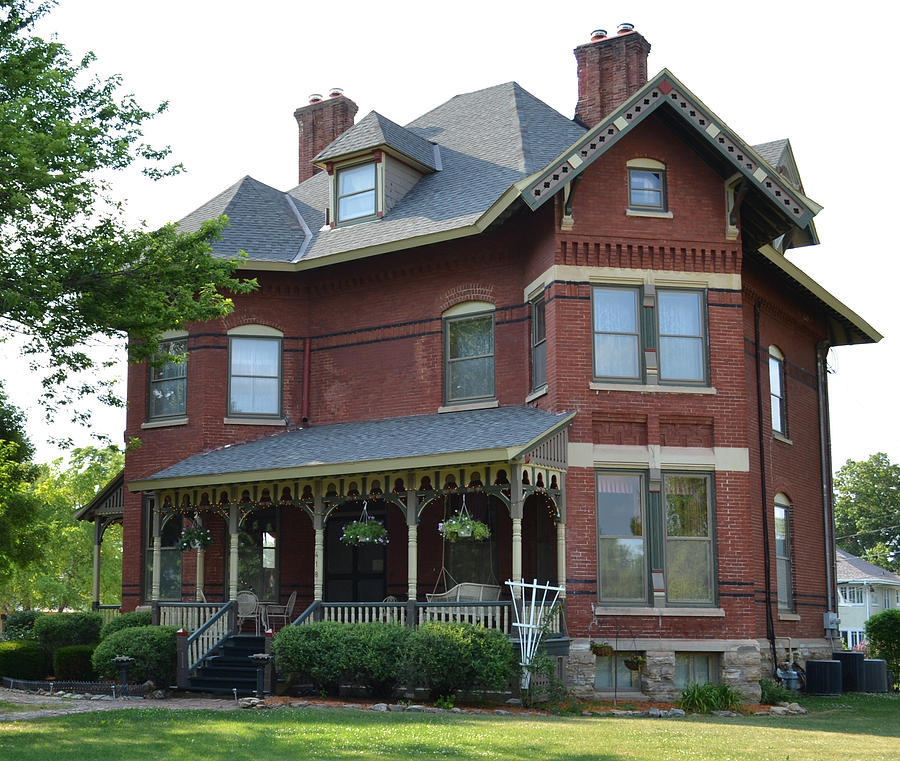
(848, 728)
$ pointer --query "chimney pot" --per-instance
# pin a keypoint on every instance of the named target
(597, 35)
(315, 98)
(334, 92)
(623, 28)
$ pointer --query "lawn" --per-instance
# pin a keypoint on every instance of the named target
(846, 728)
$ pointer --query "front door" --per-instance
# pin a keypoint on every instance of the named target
(353, 574)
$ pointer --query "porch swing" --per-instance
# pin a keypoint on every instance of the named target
(465, 591)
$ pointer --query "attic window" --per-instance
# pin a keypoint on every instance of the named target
(647, 188)
(356, 192)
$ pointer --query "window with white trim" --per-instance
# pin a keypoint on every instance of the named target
(254, 371)
(783, 565)
(167, 392)
(469, 353)
(355, 195)
(852, 594)
(776, 391)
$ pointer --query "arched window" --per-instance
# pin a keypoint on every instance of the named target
(784, 570)
(647, 185)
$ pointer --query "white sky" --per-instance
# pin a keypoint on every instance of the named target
(233, 73)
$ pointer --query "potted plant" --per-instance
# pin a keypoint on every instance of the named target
(367, 531)
(602, 649)
(194, 538)
(634, 662)
(461, 526)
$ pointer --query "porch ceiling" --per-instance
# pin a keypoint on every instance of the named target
(417, 441)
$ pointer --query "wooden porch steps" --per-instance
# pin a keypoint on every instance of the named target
(231, 669)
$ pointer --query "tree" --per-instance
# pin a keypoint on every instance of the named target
(70, 268)
(61, 577)
(867, 510)
(883, 636)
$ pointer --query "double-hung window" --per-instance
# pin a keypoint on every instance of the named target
(621, 337)
(617, 333)
(647, 187)
(356, 192)
(254, 377)
(783, 567)
(538, 344)
(468, 354)
(776, 390)
(682, 336)
(167, 396)
(670, 530)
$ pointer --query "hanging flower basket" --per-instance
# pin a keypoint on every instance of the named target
(462, 527)
(366, 530)
(602, 649)
(634, 662)
(193, 538)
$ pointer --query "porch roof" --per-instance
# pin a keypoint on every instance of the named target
(450, 438)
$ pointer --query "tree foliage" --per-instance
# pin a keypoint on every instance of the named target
(867, 510)
(70, 267)
(883, 636)
(60, 576)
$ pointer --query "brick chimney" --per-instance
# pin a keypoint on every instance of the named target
(610, 70)
(320, 122)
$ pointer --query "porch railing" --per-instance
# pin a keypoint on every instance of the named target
(189, 616)
(354, 612)
(108, 612)
(210, 634)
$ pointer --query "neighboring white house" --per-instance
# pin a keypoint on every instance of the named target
(865, 590)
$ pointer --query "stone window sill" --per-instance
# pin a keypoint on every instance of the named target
(650, 214)
(471, 406)
(653, 389)
(607, 610)
(254, 421)
(788, 617)
(164, 423)
(536, 394)
(782, 438)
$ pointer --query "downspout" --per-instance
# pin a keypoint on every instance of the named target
(304, 408)
(825, 452)
(767, 570)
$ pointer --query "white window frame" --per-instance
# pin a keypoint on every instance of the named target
(339, 196)
(469, 311)
(852, 594)
(256, 333)
(784, 568)
(777, 396)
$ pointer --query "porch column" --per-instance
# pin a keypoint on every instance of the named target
(157, 555)
(201, 572)
(233, 529)
(412, 549)
(515, 511)
(319, 553)
(96, 577)
(561, 538)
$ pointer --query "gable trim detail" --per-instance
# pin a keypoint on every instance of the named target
(666, 90)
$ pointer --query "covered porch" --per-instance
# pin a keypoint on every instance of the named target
(276, 510)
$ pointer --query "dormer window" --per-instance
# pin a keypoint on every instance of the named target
(356, 192)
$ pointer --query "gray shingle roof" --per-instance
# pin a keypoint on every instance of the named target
(263, 221)
(376, 130)
(488, 140)
(772, 151)
(852, 568)
(388, 439)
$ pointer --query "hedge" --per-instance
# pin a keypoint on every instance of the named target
(153, 650)
(22, 659)
(135, 618)
(443, 657)
(73, 663)
(20, 624)
(883, 635)
(63, 629)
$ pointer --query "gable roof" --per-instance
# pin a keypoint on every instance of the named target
(376, 131)
(851, 568)
(501, 433)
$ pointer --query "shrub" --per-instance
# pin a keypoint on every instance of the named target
(135, 618)
(773, 694)
(883, 635)
(153, 650)
(315, 651)
(73, 663)
(703, 698)
(20, 624)
(22, 659)
(62, 629)
(451, 657)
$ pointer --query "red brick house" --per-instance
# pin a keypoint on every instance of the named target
(584, 330)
